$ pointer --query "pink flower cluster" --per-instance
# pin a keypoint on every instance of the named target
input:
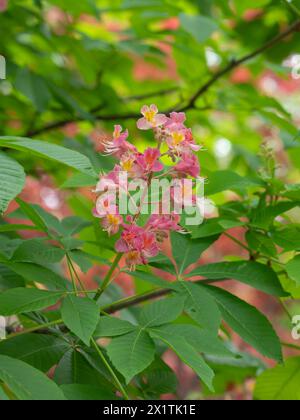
(174, 141)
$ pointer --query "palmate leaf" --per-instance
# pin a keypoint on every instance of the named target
(26, 382)
(38, 350)
(37, 251)
(109, 326)
(81, 316)
(12, 177)
(75, 368)
(50, 151)
(248, 322)
(187, 251)
(252, 273)
(200, 306)
(22, 300)
(39, 274)
(131, 353)
(161, 312)
(280, 383)
(186, 352)
(204, 341)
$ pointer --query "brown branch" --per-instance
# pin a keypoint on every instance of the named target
(135, 300)
(235, 63)
(191, 102)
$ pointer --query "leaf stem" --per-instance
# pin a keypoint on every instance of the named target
(33, 329)
(108, 277)
(290, 345)
(110, 369)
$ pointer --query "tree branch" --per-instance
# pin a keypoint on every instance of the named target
(235, 63)
(191, 102)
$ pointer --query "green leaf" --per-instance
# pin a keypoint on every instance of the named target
(79, 180)
(187, 251)
(150, 278)
(38, 251)
(158, 379)
(252, 273)
(12, 177)
(227, 180)
(261, 243)
(186, 353)
(204, 341)
(264, 216)
(161, 312)
(81, 316)
(131, 353)
(26, 382)
(80, 392)
(112, 327)
(9, 279)
(288, 238)
(21, 300)
(50, 151)
(34, 88)
(73, 224)
(200, 27)
(75, 368)
(280, 383)
(200, 306)
(39, 274)
(293, 269)
(38, 350)
(248, 322)
(214, 227)
(32, 214)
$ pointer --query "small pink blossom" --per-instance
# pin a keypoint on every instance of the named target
(177, 118)
(180, 140)
(111, 223)
(164, 223)
(105, 204)
(129, 164)
(119, 144)
(188, 165)
(149, 162)
(151, 119)
(130, 238)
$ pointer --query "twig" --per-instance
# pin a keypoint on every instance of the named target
(191, 102)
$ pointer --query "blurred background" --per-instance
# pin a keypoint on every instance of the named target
(76, 68)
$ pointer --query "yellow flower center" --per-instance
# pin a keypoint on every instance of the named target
(177, 138)
(113, 219)
(127, 165)
(149, 115)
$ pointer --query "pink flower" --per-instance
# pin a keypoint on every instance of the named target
(105, 204)
(118, 145)
(149, 162)
(130, 238)
(151, 118)
(180, 139)
(129, 164)
(137, 244)
(149, 247)
(111, 223)
(177, 118)
(112, 180)
(188, 165)
(133, 258)
(161, 224)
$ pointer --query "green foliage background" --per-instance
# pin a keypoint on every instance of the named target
(78, 65)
